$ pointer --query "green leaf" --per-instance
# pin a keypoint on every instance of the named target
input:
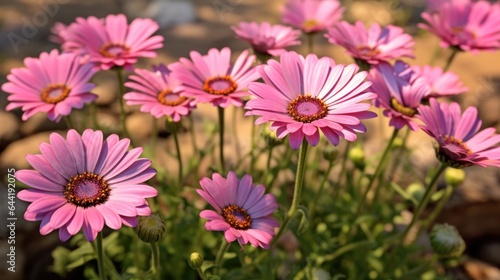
(304, 220)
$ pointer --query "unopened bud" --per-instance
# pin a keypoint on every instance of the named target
(330, 153)
(271, 138)
(416, 190)
(446, 241)
(454, 177)
(357, 156)
(171, 126)
(150, 228)
(195, 260)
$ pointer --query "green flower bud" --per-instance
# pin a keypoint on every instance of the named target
(357, 156)
(330, 153)
(171, 126)
(398, 143)
(270, 137)
(416, 190)
(454, 177)
(446, 241)
(150, 228)
(195, 260)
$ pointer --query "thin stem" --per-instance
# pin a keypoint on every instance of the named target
(312, 206)
(437, 210)
(123, 115)
(310, 42)
(100, 256)
(191, 131)
(344, 163)
(93, 111)
(221, 138)
(450, 59)
(234, 125)
(69, 123)
(154, 137)
(268, 163)
(155, 263)
(252, 146)
(425, 200)
(220, 255)
(179, 156)
(201, 273)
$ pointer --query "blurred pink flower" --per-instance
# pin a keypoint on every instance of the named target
(312, 15)
(211, 78)
(243, 211)
(303, 96)
(371, 45)
(158, 93)
(53, 83)
(112, 42)
(266, 38)
(464, 24)
(400, 92)
(85, 182)
(459, 144)
(58, 33)
(442, 84)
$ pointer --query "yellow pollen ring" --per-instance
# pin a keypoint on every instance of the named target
(54, 100)
(162, 98)
(293, 108)
(407, 111)
(208, 86)
(104, 50)
(228, 213)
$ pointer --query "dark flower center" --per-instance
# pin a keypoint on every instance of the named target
(306, 108)
(223, 85)
(463, 35)
(54, 94)
(453, 151)
(367, 51)
(169, 98)
(86, 190)
(236, 217)
(398, 107)
(113, 50)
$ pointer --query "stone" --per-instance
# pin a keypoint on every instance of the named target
(14, 155)
(9, 130)
(38, 123)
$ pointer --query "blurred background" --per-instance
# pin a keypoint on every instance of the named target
(203, 24)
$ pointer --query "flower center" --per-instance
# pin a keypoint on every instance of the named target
(367, 51)
(463, 35)
(236, 217)
(54, 94)
(309, 23)
(306, 108)
(220, 85)
(86, 190)
(169, 98)
(113, 50)
(398, 107)
(459, 144)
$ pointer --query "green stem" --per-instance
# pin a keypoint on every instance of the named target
(221, 138)
(437, 210)
(201, 273)
(179, 156)
(252, 146)
(123, 115)
(69, 123)
(100, 256)
(310, 42)
(154, 137)
(312, 206)
(191, 131)
(454, 52)
(220, 255)
(425, 200)
(268, 163)
(93, 110)
(234, 125)
(155, 264)
(343, 165)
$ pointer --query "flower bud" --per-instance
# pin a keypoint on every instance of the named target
(446, 241)
(357, 156)
(454, 177)
(270, 137)
(330, 153)
(416, 190)
(195, 260)
(398, 143)
(171, 126)
(150, 228)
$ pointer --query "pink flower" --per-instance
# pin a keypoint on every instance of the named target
(58, 33)
(243, 211)
(158, 93)
(211, 78)
(400, 91)
(266, 38)
(53, 83)
(371, 45)
(459, 144)
(303, 96)
(111, 42)
(85, 182)
(312, 15)
(442, 84)
(467, 25)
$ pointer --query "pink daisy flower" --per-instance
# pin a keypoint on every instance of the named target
(53, 83)
(312, 15)
(111, 42)
(400, 91)
(266, 38)
(302, 96)
(441, 83)
(211, 78)
(371, 45)
(85, 182)
(58, 33)
(466, 25)
(459, 144)
(242, 211)
(158, 93)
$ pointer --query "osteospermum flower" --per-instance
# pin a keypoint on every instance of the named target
(111, 41)
(53, 83)
(58, 33)
(371, 45)
(400, 92)
(312, 15)
(441, 83)
(242, 211)
(466, 25)
(459, 144)
(303, 96)
(83, 182)
(158, 93)
(213, 79)
(266, 38)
